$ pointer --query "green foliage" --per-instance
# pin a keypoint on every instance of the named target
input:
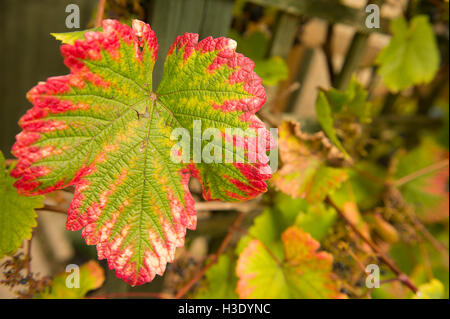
(334, 106)
(325, 118)
(17, 213)
(412, 56)
(220, 282)
(272, 70)
(432, 290)
(350, 103)
(71, 37)
(366, 191)
(317, 220)
(427, 191)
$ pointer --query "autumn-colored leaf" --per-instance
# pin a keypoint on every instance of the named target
(297, 270)
(428, 192)
(75, 283)
(273, 221)
(305, 172)
(104, 130)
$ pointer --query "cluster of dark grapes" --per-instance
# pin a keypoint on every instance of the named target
(16, 276)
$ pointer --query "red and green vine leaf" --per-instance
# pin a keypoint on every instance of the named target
(304, 172)
(412, 55)
(428, 193)
(102, 129)
(17, 213)
(297, 270)
(91, 277)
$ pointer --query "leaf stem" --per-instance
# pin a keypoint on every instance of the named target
(53, 209)
(28, 258)
(424, 171)
(212, 206)
(100, 13)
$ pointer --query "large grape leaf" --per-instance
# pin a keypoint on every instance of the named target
(104, 130)
(301, 272)
(305, 172)
(412, 55)
(17, 213)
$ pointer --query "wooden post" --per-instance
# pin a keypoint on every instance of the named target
(170, 18)
(29, 54)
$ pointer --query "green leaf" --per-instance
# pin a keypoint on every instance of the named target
(65, 286)
(272, 70)
(412, 55)
(17, 213)
(220, 281)
(301, 272)
(317, 220)
(351, 102)
(304, 173)
(104, 130)
(428, 193)
(253, 45)
(273, 221)
(366, 191)
(432, 290)
(333, 105)
(71, 37)
(325, 118)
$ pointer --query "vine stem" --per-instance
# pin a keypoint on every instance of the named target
(213, 258)
(216, 205)
(402, 277)
(28, 266)
(100, 13)
(421, 172)
(53, 209)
